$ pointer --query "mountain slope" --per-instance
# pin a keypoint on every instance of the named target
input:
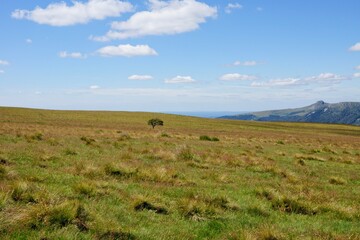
(320, 112)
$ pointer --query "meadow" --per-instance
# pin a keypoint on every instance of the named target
(108, 175)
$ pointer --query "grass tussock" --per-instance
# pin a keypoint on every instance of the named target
(144, 205)
(207, 138)
(200, 208)
(337, 181)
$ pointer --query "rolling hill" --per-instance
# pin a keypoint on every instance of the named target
(108, 175)
(320, 112)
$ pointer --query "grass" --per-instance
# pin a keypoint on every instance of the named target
(108, 175)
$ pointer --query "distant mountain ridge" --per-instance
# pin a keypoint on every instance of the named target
(319, 112)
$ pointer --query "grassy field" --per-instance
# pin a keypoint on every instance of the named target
(108, 175)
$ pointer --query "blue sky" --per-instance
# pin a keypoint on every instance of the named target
(178, 55)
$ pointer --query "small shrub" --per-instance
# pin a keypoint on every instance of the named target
(155, 122)
(280, 142)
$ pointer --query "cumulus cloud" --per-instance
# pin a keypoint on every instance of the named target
(3, 62)
(236, 77)
(94, 87)
(127, 51)
(356, 75)
(246, 63)
(77, 55)
(60, 14)
(163, 18)
(357, 67)
(356, 47)
(232, 6)
(140, 77)
(180, 79)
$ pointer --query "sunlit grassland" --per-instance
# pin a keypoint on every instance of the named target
(108, 175)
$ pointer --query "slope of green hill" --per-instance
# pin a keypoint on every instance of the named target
(108, 175)
(320, 112)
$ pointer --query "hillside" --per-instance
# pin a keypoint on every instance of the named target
(320, 112)
(108, 175)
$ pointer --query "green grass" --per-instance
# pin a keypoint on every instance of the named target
(108, 175)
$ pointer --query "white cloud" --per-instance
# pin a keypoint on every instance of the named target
(140, 77)
(232, 6)
(126, 51)
(357, 67)
(77, 55)
(163, 18)
(94, 87)
(236, 77)
(326, 79)
(356, 75)
(60, 14)
(356, 47)
(3, 62)
(2, 71)
(28, 40)
(246, 63)
(180, 79)
(278, 82)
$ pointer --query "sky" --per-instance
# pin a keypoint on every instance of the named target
(178, 55)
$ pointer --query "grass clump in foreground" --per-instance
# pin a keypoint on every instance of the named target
(82, 178)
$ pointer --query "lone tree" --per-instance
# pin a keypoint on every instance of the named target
(155, 122)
